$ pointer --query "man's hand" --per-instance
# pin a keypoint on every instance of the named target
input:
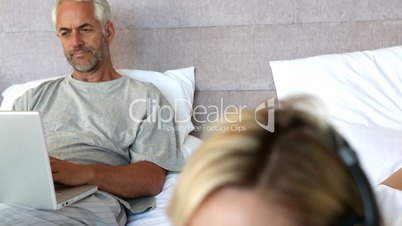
(70, 174)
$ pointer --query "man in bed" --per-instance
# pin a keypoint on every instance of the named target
(91, 137)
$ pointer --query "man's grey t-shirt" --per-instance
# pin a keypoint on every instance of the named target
(116, 122)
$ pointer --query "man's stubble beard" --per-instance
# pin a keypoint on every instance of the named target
(97, 56)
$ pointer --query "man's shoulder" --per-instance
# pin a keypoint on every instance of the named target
(46, 85)
(148, 87)
(34, 92)
(53, 81)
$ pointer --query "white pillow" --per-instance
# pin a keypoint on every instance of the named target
(362, 95)
(359, 87)
(176, 85)
(379, 150)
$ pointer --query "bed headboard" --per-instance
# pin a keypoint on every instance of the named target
(230, 42)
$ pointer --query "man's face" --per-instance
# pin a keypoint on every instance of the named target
(80, 33)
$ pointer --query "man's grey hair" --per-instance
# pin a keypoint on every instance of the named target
(102, 11)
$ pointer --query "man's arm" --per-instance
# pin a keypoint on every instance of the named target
(126, 181)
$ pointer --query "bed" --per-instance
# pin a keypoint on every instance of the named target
(229, 54)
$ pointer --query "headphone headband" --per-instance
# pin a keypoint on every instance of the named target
(349, 157)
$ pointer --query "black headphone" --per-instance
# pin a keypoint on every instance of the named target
(371, 213)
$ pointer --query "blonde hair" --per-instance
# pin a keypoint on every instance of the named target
(294, 167)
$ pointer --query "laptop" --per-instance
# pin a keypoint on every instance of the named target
(25, 172)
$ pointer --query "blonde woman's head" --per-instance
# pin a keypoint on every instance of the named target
(289, 177)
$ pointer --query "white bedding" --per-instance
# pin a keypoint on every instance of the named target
(379, 150)
(380, 154)
(361, 93)
(390, 205)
